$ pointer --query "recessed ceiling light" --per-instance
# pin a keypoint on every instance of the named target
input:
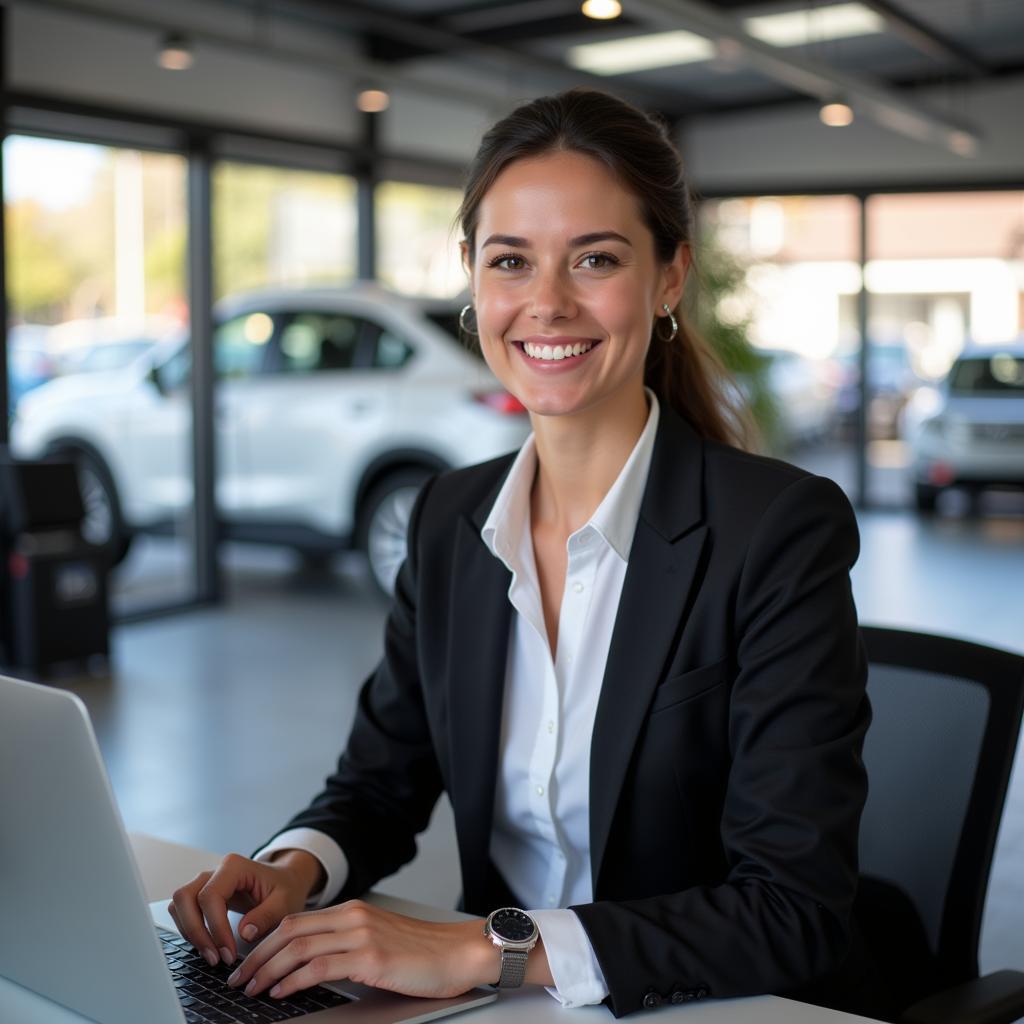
(373, 101)
(175, 53)
(601, 10)
(815, 25)
(638, 53)
(836, 115)
(962, 143)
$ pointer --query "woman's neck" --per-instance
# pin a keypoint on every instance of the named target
(580, 456)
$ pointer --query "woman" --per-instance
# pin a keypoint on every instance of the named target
(629, 654)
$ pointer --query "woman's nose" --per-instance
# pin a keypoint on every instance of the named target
(551, 297)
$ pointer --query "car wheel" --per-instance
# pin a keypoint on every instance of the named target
(103, 525)
(385, 524)
(926, 498)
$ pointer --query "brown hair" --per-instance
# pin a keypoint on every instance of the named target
(686, 373)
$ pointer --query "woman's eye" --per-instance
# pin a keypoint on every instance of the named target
(597, 261)
(510, 262)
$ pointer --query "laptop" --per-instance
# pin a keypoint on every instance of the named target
(75, 927)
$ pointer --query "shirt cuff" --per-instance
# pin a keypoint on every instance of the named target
(578, 978)
(324, 848)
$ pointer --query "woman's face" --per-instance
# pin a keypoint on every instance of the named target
(566, 284)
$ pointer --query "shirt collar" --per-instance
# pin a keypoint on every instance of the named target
(614, 519)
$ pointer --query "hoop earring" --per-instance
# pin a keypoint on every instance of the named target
(675, 326)
(462, 319)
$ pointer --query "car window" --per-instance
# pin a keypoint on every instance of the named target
(1002, 372)
(448, 321)
(240, 345)
(319, 342)
(390, 351)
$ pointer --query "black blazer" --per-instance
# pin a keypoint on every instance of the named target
(726, 781)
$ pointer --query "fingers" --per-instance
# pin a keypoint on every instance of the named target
(185, 911)
(200, 908)
(306, 960)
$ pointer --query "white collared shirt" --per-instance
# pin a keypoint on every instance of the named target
(540, 839)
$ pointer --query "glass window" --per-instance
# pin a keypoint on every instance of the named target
(96, 264)
(999, 373)
(782, 274)
(318, 342)
(391, 352)
(240, 345)
(278, 227)
(417, 246)
(944, 270)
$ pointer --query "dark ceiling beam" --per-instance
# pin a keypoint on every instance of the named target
(488, 56)
(926, 39)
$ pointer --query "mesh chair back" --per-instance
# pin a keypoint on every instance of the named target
(938, 754)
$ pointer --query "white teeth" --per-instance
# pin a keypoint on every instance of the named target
(549, 352)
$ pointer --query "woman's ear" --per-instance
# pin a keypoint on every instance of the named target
(675, 275)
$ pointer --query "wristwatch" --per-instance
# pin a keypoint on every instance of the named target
(514, 932)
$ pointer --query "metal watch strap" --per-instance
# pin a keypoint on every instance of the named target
(513, 967)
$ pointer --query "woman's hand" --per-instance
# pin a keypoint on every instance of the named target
(265, 893)
(371, 946)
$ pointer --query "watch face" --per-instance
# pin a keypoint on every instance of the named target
(513, 925)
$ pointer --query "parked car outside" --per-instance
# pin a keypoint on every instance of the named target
(332, 408)
(28, 361)
(804, 400)
(891, 383)
(969, 432)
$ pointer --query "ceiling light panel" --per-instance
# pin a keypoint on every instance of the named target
(815, 24)
(638, 53)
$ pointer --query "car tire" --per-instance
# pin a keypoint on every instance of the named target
(103, 525)
(926, 498)
(384, 524)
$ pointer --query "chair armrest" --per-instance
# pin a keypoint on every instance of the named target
(997, 998)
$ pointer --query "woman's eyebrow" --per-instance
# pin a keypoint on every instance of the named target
(588, 239)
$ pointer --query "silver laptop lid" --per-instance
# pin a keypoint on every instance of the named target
(74, 924)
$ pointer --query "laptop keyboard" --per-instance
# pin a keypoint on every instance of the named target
(206, 998)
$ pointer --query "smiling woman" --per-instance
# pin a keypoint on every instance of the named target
(628, 652)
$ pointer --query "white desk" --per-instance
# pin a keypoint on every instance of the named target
(164, 866)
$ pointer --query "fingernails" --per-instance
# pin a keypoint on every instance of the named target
(249, 932)
(275, 991)
(233, 980)
(251, 987)
(227, 956)
(211, 958)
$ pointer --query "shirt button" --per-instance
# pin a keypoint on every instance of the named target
(540, 791)
(551, 726)
(551, 901)
(578, 587)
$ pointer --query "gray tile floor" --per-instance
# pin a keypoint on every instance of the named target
(218, 724)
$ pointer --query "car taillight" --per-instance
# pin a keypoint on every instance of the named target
(501, 401)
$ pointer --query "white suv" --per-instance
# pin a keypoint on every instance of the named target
(970, 432)
(332, 407)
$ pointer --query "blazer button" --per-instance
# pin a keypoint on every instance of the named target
(681, 997)
(651, 1000)
(702, 992)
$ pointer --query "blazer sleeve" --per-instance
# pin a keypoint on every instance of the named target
(387, 779)
(796, 787)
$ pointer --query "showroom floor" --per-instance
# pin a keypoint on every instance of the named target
(218, 724)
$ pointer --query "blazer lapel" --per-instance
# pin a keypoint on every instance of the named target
(664, 562)
(479, 623)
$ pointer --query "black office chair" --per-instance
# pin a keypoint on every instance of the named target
(947, 715)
